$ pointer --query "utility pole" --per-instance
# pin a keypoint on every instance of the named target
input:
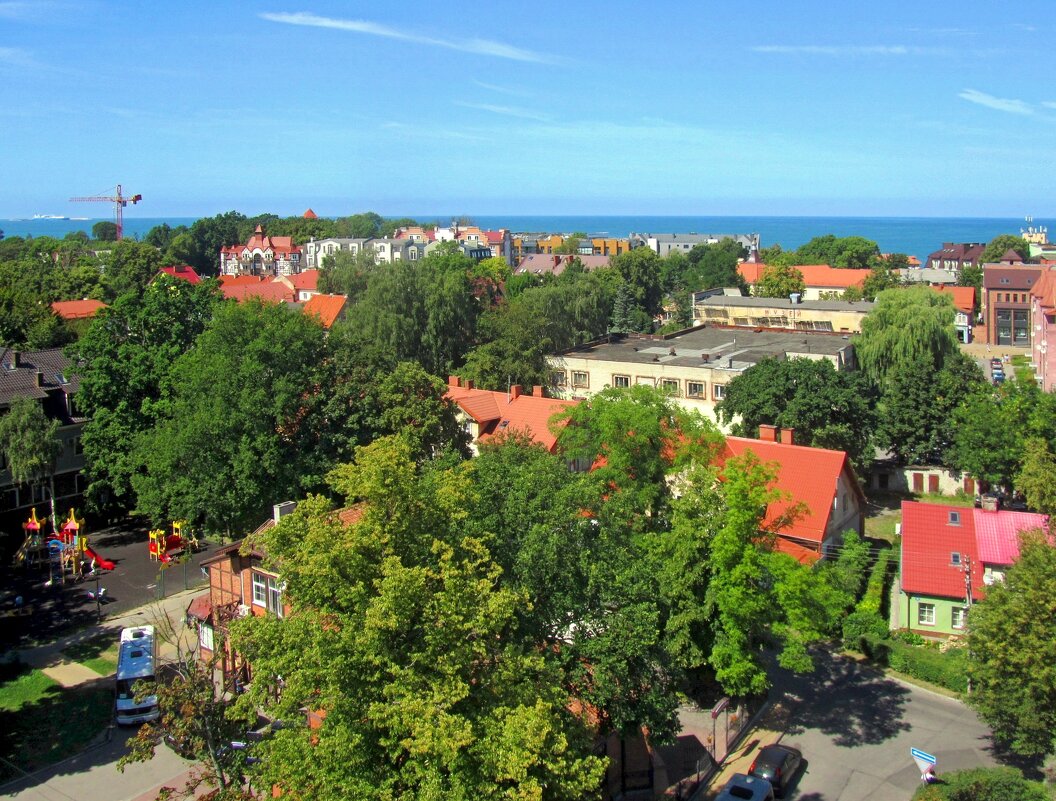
(968, 606)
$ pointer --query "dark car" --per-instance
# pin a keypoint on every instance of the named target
(777, 764)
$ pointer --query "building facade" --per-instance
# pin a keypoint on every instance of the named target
(262, 255)
(820, 280)
(1007, 303)
(955, 256)
(748, 312)
(666, 244)
(692, 366)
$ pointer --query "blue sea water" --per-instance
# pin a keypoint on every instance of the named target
(916, 236)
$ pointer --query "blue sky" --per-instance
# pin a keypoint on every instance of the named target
(804, 107)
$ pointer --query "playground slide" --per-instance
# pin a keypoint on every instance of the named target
(103, 564)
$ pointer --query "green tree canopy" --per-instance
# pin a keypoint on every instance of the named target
(30, 445)
(104, 231)
(779, 281)
(403, 640)
(1012, 651)
(906, 325)
(1001, 244)
(827, 408)
(122, 360)
(850, 252)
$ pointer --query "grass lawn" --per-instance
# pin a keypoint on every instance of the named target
(884, 511)
(98, 654)
(42, 722)
(1021, 370)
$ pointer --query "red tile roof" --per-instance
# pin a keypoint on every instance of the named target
(279, 245)
(236, 280)
(326, 307)
(807, 475)
(498, 413)
(997, 533)
(804, 556)
(539, 263)
(963, 296)
(77, 309)
(184, 271)
(310, 215)
(928, 540)
(200, 607)
(267, 292)
(309, 279)
(814, 275)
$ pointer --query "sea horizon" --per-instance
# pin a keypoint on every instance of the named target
(913, 235)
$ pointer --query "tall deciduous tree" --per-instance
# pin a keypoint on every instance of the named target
(1001, 244)
(104, 231)
(905, 326)
(122, 360)
(402, 640)
(30, 445)
(850, 252)
(231, 436)
(1036, 476)
(779, 281)
(827, 408)
(1012, 651)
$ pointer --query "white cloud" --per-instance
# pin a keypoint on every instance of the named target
(508, 111)
(843, 50)
(484, 47)
(1009, 105)
(23, 10)
(1049, 103)
(502, 90)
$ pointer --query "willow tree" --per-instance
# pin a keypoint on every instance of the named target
(905, 326)
(29, 442)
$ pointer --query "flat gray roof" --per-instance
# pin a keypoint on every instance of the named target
(770, 303)
(744, 345)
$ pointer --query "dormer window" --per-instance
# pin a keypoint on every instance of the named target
(955, 518)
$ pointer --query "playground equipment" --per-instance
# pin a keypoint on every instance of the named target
(70, 551)
(34, 549)
(164, 546)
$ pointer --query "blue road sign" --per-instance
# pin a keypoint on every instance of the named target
(925, 763)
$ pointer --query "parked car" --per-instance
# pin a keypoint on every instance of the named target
(746, 788)
(777, 764)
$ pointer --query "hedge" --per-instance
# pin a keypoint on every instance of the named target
(927, 664)
(983, 784)
(873, 599)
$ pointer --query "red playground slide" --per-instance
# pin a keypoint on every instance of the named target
(103, 564)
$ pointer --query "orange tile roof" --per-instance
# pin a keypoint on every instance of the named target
(807, 475)
(498, 413)
(326, 307)
(269, 293)
(77, 309)
(814, 275)
(235, 280)
(805, 556)
(963, 296)
(309, 279)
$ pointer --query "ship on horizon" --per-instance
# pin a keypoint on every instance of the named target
(49, 217)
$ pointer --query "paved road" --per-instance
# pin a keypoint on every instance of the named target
(855, 728)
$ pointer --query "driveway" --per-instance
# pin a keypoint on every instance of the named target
(855, 728)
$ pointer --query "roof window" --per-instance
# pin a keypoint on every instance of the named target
(955, 518)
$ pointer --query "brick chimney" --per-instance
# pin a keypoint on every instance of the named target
(787, 435)
(537, 391)
(452, 381)
(557, 260)
(768, 433)
(467, 384)
(515, 391)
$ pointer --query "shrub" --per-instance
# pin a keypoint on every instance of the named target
(908, 637)
(983, 784)
(927, 664)
(861, 624)
(873, 599)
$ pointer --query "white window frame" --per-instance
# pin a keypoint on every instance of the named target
(702, 393)
(581, 378)
(274, 596)
(205, 637)
(618, 378)
(718, 391)
(958, 617)
(925, 614)
(260, 590)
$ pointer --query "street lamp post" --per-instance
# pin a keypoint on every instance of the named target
(98, 604)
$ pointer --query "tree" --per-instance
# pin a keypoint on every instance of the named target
(779, 281)
(104, 231)
(904, 326)
(346, 273)
(198, 723)
(881, 277)
(827, 408)
(715, 265)
(1012, 651)
(402, 642)
(1035, 479)
(849, 252)
(916, 407)
(622, 321)
(30, 445)
(223, 450)
(122, 361)
(1001, 244)
(640, 269)
(413, 406)
(128, 266)
(570, 244)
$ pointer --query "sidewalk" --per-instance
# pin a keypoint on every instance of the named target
(49, 658)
